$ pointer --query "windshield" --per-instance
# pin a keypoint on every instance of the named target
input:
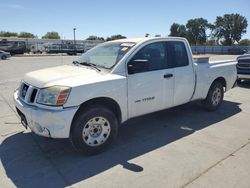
(106, 55)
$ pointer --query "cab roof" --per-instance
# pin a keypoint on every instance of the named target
(144, 39)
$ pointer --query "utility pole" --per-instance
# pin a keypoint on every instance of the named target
(74, 30)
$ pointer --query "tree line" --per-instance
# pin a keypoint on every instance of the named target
(48, 35)
(55, 35)
(226, 30)
(113, 37)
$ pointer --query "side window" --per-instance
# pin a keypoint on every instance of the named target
(177, 54)
(149, 58)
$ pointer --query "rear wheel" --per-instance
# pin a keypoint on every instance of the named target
(214, 97)
(93, 130)
(4, 57)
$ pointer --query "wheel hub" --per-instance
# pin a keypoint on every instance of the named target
(216, 97)
(96, 131)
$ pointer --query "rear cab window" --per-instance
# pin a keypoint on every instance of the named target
(176, 54)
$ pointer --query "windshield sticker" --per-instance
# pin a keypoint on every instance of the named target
(124, 49)
(127, 44)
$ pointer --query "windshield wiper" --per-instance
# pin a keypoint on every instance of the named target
(87, 64)
(90, 65)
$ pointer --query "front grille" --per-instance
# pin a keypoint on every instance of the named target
(24, 90)
(33, 95)
(243, 64)
(28, 93)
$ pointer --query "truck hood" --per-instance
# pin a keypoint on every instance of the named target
(244, 56)
(66, 75)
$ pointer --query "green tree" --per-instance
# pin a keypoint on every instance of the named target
(196, 29)
(51, 35)
(115, 37)
(93, 37)
(212, 39)
(177, 30)
(8, 34)
(244, 42)
(26, 35)
(210, 42)
(230, 28)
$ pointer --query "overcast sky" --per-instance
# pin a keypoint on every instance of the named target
(132, 18)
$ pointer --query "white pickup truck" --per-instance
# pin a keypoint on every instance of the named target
(116, 81)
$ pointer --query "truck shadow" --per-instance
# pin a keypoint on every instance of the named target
(31, 161)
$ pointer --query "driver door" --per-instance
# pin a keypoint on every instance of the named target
(150, 84)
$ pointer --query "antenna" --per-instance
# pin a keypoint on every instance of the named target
(61, 50)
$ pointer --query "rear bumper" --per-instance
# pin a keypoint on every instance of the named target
(244, 76)
(44, 122)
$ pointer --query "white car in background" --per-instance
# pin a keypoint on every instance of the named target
(4, 55)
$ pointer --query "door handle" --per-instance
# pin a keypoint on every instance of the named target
(168, 75)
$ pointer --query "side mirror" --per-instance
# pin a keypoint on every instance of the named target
(137, 66)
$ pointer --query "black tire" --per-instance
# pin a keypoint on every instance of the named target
(239, 80)
(4, 57)
(80, 123)
(209, 102)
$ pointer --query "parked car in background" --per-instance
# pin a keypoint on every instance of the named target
(243, 66)
(37, 48)
(70, 49)
(4, 55)
(14, 47)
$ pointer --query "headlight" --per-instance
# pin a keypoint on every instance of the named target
(55, 95)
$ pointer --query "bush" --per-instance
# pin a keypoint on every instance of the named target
(244, 42)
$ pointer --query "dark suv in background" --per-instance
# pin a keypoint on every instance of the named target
(243, 66)
(13, 47)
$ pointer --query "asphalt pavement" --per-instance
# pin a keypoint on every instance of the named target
(185, 146)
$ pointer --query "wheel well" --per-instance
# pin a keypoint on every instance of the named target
(104, 101)
(222, 81)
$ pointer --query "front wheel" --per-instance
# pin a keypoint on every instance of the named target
(4, 57)
(93, 130)
(214, 97)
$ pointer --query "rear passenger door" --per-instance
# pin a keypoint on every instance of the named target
(184, 76)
